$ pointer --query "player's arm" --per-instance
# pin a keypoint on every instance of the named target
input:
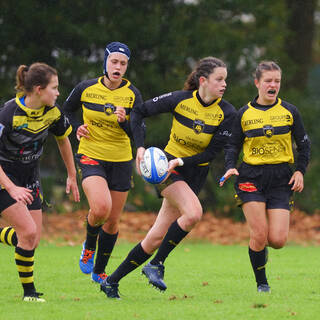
(218, 141)
(61, 129)
(162, 104)
(67, 157)
(72, 105)
(302, 141)
(123, 122)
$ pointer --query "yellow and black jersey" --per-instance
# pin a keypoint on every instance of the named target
(266, 135)
(109, 140)
(199, 130)
(24, 130)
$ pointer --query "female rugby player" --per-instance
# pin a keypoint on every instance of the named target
(200, 128)
(25, 122)
(265, 129)
(104, 154)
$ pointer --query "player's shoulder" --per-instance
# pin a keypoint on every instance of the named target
(133, 88)
(289, 106)
(226, 106)
(9, 106)
(84, 84)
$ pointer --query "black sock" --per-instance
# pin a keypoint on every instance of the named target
(92, 235)
(258, 261)
(106, 243)
(135, 258)
(24, 261)
(8, 236)
(173, 237)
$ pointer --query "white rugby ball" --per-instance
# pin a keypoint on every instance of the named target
(154, 166)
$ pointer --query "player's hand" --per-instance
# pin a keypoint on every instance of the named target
(227, 175)
(83, 131)
(21, 194)
(121, 114)
(172, 164)
(72, 185)
(297, 181)
(139, 158)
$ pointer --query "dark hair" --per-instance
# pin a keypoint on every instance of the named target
(265, 66)
(38, 74)
(203, 68)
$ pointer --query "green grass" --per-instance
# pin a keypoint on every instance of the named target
(204, 281)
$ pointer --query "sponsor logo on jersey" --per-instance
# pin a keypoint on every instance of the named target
(109, 109)
(283, 117)
(247, 187)
(96, 96)
(268, 131)
(253, 121)
(89, 161)
(187, 143)
(155, 99)
(95, 123)
(213, 116)
(198, 126)
(269, 149)
(188, 109)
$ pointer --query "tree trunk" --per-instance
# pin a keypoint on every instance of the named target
(299, 40)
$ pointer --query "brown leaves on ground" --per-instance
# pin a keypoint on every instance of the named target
(69, 228)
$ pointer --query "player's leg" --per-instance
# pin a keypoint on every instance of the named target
(142, 251)
(179, 196)
(255, 213)
(108, 235)
(279, 220)
(100, 203)
(26, 228)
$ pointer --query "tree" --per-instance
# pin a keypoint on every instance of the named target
(299, 40)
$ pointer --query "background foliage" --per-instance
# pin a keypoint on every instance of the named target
(166, 38)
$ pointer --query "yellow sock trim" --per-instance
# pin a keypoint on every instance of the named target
(9, 239)
(24, 268)
(2, 234)
(26, 280)
(22, 258)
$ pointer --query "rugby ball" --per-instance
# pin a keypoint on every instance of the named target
(154, 166)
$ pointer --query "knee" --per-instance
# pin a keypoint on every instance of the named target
(100, 212)
(277, 242)
(111, 226)
(192, 217)
(259, 238)
(29, 238)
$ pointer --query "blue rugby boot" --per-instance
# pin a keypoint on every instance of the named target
(98, 277)
(110, 289)
(86, 259)
(155, 275)
(264, 288)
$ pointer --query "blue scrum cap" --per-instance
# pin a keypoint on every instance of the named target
(115, 47)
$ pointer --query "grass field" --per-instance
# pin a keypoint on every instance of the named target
(204, 281)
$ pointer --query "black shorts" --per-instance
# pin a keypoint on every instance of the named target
(194, 176)
(265, 183)
(22, 176)
(117, 174)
